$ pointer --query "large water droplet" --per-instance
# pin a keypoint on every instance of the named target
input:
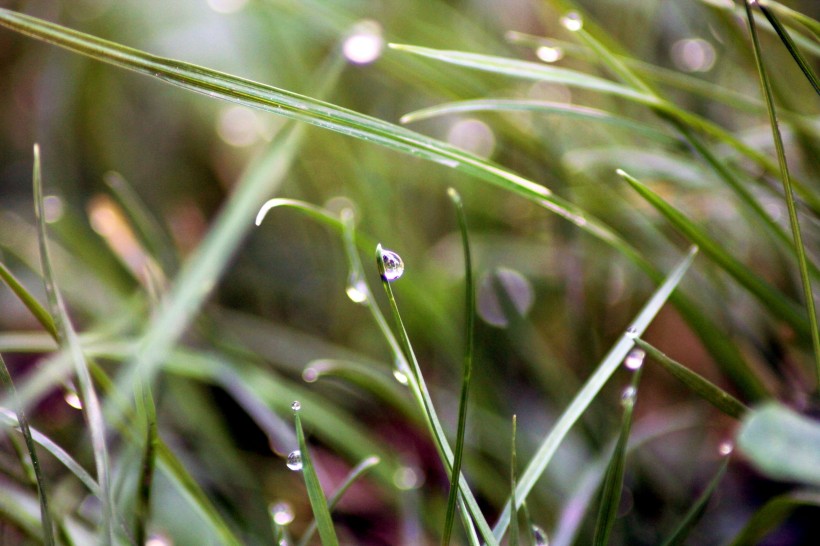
(634, 360)
(539, 536)
(295, 460)
(572, 21)
(296, 405)
(281, 513)
(628, 397)
(390, 265)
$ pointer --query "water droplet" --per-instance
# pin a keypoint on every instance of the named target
(634, 360)
(628, 396)
(401, 377)
(406, 478)
(356, 289)
(549, 54)
(296, 405)
(726, 448)
(281, 513)
(365, 43)
(509, 285)
(310, 375)
(295, 460)
(631, 332)
(390, 264)
(539, 536)
(73, 399)
(572, 21)
(158, 540)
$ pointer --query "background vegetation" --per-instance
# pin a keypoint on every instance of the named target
(150, 193)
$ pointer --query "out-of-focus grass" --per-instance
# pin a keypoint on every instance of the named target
(276, 304)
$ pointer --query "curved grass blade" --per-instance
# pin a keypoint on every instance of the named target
(45, 515)
(782, 444)
(513, 538)
(318, 502)
(358, 471)
(69, 340)
(28, 300)
(698, 508)
(785, 178)
(586, 395)
(772, 514)
(521, 105)
(614, 477)
(780, 306)
(698, 384)
(467, 370)
(801, 61)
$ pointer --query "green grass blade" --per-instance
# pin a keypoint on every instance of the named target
(801, 61)
(357, 472)
(316, 495)
(772, 514)
(467, 370)
(513, 537)
(8, 418)
(614, 477)
(782, 444)
(543, 107)
(780, 306)
(801, 18)
(698, 384)
(69, 340)
(589, 391)
(698, 508)
(142, 510)
(28, 300)
(785, 177)
(45, 514)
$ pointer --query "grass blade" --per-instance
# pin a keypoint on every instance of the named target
(772, 514)
(772, 299)
(357, 472)
(22, 422)
(801, 61)
(614, 477)
(698, 384)
(782, 444)
(590, 389)
(318, 502)
(142, 510)
(513, 538)
(68, 340)
(467, 371)
(28, 300)
(698, 508)
(794, 222)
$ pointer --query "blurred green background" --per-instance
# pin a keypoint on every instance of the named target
(281, 304)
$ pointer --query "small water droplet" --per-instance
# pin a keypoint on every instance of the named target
(310, 375)
(549, 54)
(356, 289)
(539, 536)
(281, 513)
(390, 265)
(726, 448)
(295, 460)
(406, 478)
(634, 360)
(296, 406)
(572, 21)
(400, 377)
(631, 332)
(628, 396)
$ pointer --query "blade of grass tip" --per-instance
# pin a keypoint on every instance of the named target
(28, 300)
(614, 477)
(316, 496)
(781, 306)
(403, 352)
(785, 177)
(513, 538)
(467, 370)
(45, 515)
(698, 384)
(698, 508)
(772, 514)
(357, 472)
(596, 381)
(70, 341)
(798, 57)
